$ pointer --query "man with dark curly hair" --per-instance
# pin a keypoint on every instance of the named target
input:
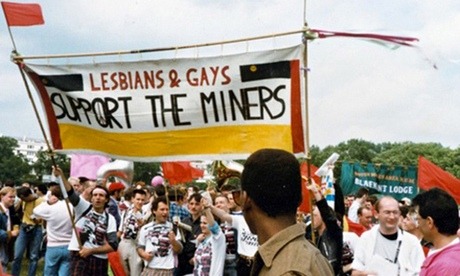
(97, 231)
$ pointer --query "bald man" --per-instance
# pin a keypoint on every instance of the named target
(385, 248)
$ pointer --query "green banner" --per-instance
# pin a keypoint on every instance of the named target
(395, 181)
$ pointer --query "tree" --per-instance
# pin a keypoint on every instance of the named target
(455, 167)
(44, 164)
(357, 150)
(404, 154)
(145, 171)
(407, 153)
(12, 167)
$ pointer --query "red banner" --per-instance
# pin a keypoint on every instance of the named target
(430, 176)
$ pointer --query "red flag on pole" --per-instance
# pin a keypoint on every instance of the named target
(430, 176)
(305, 205)
(180, 172)
(197, 173)
(20, 14)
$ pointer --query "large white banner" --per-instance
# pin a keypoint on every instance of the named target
(176, 109)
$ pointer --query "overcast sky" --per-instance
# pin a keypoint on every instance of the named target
(357, 89)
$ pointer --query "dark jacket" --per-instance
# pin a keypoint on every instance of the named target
(6, 242)
(330, 243)
(188, 251)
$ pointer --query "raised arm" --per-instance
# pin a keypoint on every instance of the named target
(73, 198)
(221, 214)
(59, 173)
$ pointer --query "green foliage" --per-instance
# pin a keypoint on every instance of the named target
(44, 164)
(353, 150)
(407, 153)
(454, 167)
(12, 167)
(404, 154)
(15, 167)
(145, 171)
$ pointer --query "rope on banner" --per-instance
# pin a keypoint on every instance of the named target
(161, 49)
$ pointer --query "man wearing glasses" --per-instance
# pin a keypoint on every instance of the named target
(385, 249)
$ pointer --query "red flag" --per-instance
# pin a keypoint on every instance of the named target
(19, 14)
(180, 172)
(305, 205)
(350, 226)
(430, 176)
(196, 173)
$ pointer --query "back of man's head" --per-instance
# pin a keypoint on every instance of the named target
(56, 191)
(129, 193)
(228, 187)
(362, 192)
(160, 190)
(9, 183)
(442, 209)
(175, 194)
(42, 188)
(271, 178)
(23, 192)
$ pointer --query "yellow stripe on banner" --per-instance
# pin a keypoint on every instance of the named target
(211, 140)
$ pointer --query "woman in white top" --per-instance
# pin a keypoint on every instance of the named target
(210, 253)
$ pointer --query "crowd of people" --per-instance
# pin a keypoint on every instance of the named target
(247, 227)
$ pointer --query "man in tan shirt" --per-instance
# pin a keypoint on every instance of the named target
(271, 193)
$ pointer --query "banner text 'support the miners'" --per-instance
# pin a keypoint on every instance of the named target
(176, 109)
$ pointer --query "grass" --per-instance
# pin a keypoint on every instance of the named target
(25, 267)
(40, 267)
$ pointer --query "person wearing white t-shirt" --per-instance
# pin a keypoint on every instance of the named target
(247, 242)
(222, 202)
(97, 231)
(359, 201)
(131, 223)
(385, 249)
(350, 239)
(158, 241)
(210, 253)
(59, 232)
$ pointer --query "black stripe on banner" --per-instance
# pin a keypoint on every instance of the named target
(66, 83)
(252, 72)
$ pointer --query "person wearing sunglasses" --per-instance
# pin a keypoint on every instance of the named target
(271, 193)
(228, 190)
